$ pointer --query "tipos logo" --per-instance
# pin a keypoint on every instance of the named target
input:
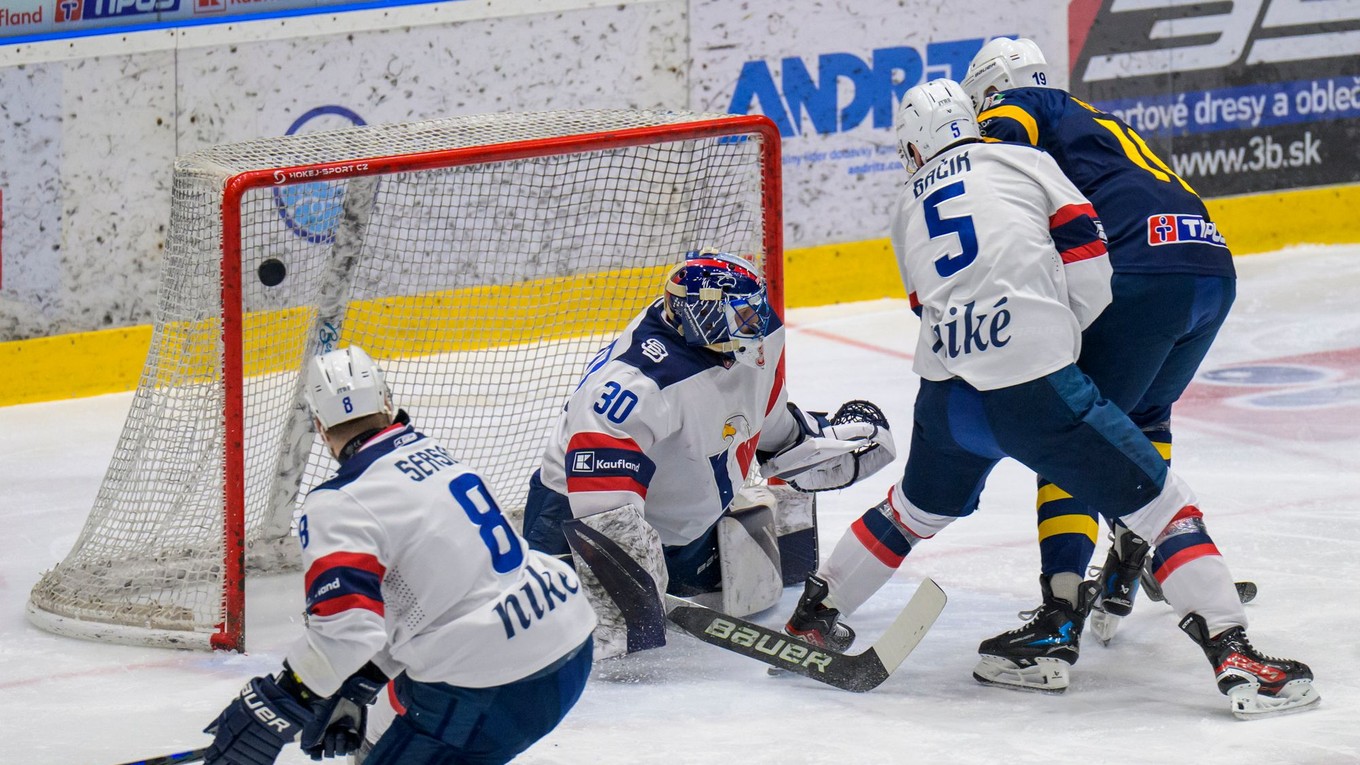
(86, 10)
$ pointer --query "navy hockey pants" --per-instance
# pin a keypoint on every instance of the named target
(1141, 352)
(692, 568)
(449, 725)
(1057, 425)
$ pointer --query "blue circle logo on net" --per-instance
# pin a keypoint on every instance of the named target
(312, 210)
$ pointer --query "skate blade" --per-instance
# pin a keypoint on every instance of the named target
(1249, 704)
(1046, 676)
(1104, 625)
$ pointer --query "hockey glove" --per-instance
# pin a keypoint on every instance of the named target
(855, 444)
(254, 727)
(337, 728)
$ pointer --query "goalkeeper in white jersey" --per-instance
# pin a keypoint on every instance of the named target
(413, 574)
(1002, 259)
(656, 444)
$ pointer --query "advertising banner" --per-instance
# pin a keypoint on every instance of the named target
(24, 19)
(830, 75)
(1240, 97)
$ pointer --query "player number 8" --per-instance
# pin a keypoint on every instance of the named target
(506, 552)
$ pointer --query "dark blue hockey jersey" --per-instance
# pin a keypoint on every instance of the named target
(1154, 220)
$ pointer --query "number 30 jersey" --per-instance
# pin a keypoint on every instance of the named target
(1003, 261)
(1154, 220)
(667, 427)
(410, 563)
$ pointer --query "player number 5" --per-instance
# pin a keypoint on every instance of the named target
(960, 226)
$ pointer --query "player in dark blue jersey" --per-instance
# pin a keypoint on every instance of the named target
(1172, 287)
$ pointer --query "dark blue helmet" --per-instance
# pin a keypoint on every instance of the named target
(719, 302)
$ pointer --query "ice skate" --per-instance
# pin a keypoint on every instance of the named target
(1257, 685)
(1035, 657)
(1119, 582)
(813, 622)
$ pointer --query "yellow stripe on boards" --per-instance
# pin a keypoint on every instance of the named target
(72, 366)
(109, 361)
(1267, 222)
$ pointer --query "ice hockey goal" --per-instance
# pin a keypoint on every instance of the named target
(480, 259)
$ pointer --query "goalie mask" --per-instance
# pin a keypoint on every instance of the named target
(932, 117)
(345, 385)
(718, 301)
(1003, 64)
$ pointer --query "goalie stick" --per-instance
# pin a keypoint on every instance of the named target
(633, 593)
(195, 755)
(851, 672)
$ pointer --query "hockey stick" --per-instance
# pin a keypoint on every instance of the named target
(195, 755)
(619, 575)
(851, 672)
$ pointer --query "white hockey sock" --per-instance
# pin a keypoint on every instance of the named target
(1205, 586)
(1194, 576)
(853, 574)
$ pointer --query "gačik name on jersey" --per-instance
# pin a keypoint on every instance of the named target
(424, 463)
(972, 331)
(955, 165)
(1179, 229)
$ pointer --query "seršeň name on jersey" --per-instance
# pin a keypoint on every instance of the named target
(406, 547)
(665, 426)
(1134, 192)
(1004, 262)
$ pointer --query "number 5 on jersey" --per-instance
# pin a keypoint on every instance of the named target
(960, 226)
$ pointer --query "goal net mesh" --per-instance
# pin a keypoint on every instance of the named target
(483, 286)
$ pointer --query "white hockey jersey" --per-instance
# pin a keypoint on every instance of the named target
(1004, 261)
(410, 563)
(663, 425)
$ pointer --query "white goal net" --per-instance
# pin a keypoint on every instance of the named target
(481, 260)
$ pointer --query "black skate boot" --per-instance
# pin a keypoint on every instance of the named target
(814, 623)
(1119, 581)
(1035, 656)
(1257, 685)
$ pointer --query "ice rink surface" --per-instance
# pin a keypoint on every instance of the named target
(1269, 437)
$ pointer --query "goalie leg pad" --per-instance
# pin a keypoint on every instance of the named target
(795, 523)
(748, 552)
(628, 607)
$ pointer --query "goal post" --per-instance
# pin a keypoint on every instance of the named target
(482, 260)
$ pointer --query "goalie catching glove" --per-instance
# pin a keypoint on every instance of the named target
(832, 454)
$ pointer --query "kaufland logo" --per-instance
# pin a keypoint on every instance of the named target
(584, 463)
(9, 18)
(210, 6)
(83, 10)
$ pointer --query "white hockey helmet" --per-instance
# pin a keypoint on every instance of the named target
(932, 117)
(1003, 64)
(345, 385)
